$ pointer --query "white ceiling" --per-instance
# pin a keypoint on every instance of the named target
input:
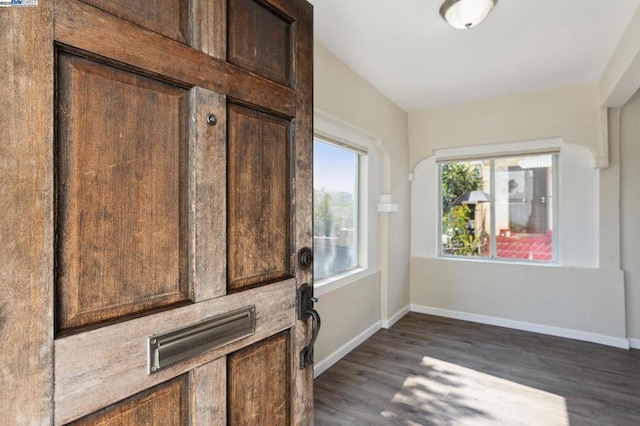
(406, 50)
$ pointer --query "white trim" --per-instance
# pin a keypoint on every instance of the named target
(634, 343)
(321, 366)
(617, 342)
(370, 175)
(325, 125)
(388, 323)
(540, 146)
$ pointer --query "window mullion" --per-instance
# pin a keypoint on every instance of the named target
(492, 209)
(555, 176)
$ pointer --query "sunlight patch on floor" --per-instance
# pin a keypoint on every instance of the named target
(459, 395)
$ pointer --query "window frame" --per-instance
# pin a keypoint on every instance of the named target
(360, 209)
(492, 258)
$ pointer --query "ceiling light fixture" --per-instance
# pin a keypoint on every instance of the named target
(464, 14)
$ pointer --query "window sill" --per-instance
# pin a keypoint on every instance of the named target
(334, 282)
(499, 261)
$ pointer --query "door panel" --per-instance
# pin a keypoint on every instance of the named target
(259, 205)
(121, 192)
(101, 366)
(259, 40)
(258, 378)
(164, 404)
(184, 184)
(112, 38)
(167, 17)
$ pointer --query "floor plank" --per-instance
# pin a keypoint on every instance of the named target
(429, 370)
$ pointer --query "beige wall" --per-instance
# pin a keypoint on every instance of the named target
(621, 78)
(343, 96)
(346, 313)
(630, 210)
(581, 303)
(581, 297)
(589, 301)
(572, 113)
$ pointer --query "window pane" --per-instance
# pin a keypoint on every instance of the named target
(335, 209)
(466, 211)
(524, 207)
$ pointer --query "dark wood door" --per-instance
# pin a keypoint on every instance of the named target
(182, 174)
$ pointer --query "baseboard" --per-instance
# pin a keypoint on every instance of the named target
(616, 342)
(634, 343)
(321, 366)
(394, 319)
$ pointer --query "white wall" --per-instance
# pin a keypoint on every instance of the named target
(630, 211)
(341, 96)
(578, 297)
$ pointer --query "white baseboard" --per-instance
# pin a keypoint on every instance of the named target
(634, 343)
(617, 342)
(394, 318)
(321, 366)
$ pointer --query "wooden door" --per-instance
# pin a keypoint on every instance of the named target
(180, 162)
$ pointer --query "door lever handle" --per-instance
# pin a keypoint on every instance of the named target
(306, 310)
(306, 354)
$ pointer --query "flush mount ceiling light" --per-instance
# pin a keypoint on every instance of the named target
(464, 14)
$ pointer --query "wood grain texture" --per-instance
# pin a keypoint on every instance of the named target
(99, 366)
(302, 79)
(208, 183)
(259, 40)
(93, 30)
(208, 27)
(26, 252)
(164, 404)
(167, 17)
(431, 370)
(258, 198)
(209, 390)
(121, 192)
(288, 9)
(259, 382)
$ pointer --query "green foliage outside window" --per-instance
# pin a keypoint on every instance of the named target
(457, 179)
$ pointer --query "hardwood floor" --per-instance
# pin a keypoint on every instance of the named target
(428, 370)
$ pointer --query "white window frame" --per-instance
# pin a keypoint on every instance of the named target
(328, 127)
(493, 255)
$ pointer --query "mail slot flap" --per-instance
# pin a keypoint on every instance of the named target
(172, 347)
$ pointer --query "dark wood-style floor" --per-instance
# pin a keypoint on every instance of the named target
(428, 370)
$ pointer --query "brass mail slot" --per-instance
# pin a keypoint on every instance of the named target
(174, 346)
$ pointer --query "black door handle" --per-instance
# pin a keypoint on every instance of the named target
(305, 310)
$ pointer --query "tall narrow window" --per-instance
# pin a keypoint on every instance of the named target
(335, 208)
(499, 208)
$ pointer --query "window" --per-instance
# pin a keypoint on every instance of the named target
(335, 208)
(499, 208)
